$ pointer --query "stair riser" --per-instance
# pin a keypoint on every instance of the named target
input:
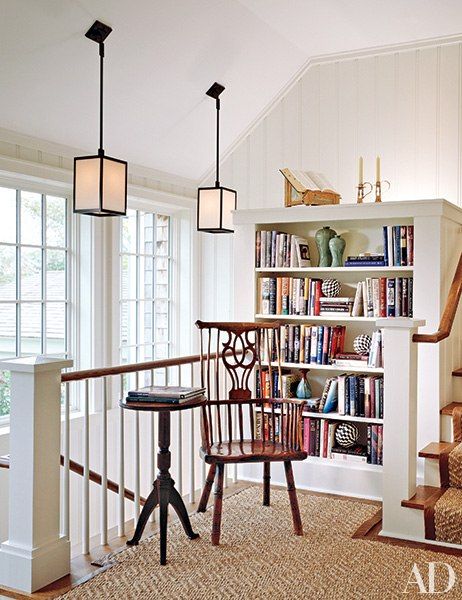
(432, 472)
(446, 428)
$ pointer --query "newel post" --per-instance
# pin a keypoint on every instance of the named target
(400, 427)
(35, 553)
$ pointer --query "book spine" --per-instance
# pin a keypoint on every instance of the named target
(325, 344)
(314, 344)
(369, 444)
(397, 243)
(374, 437)
(325, 445)
(383, 297)
(297, 343)
(410, 288)
(306, 435)
(268, 249)
(370, 298)
(398, 296)
(312, 451)
(405, 297)
(291, 343)
(318, 437)
(341, 394)
(320, 344)
(391, 297)
(361, 397)
(390, 248)
(403, 245)
(365, 263)
(317, 304)
(410, 245)
(385, 245)
(272, 296)
(258, 249)
(380, 444)
(376, 297)
(279, 295)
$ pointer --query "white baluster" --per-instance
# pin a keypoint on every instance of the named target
(152, 448)
(236, 416)
(192, 457)
(121, 527)
(136, 439)
(66, 453)
(86, 471)
(180, 445)
(103, 489)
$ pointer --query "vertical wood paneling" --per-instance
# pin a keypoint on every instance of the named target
(405, 127)
(367, 116)
(328, 122)
(291, 131)
(257, 154)
(385, 102)
(449, 115)
(348, 122)
(274, 159)
(310, 125)
(426, 122)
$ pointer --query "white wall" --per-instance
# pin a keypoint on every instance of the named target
(401, 103)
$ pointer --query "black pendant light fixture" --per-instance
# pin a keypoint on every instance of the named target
(214, 204)
(100, 181)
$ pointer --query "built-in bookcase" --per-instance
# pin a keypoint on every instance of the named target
(362, 228)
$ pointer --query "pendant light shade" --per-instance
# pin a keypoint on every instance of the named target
(100, 181)
(214, 204)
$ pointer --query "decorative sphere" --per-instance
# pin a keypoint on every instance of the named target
(362, 344)
(330, 288)
(346, 435)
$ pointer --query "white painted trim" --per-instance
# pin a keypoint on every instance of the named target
(322, 59)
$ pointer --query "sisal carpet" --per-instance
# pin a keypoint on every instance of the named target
(259, 558)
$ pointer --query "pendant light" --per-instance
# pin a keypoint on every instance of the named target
(214, 204)
(100, 181)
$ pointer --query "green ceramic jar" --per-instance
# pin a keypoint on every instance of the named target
(337, 247)
(323, 237)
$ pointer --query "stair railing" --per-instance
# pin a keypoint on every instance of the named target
(42, 437)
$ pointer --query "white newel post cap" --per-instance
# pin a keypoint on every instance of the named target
(35, 364)
(400, 323)
(36, 553)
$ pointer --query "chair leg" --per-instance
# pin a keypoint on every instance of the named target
(207, 489)
(298, 528)
(216, 526)
(266, 483)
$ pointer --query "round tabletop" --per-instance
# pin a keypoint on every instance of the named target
(163, 406)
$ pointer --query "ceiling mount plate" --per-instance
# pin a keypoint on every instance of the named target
(98, 32)
(215, 90)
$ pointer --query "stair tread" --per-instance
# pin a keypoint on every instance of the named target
(457, 372)
(434, 449)
(424, 495)
(5, 462)
(447, 410)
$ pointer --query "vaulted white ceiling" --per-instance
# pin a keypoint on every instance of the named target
(164, 54)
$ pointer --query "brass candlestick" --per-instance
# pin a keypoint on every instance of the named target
(361, 195)
(378, 189)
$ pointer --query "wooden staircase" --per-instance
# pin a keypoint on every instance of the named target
(428, 494)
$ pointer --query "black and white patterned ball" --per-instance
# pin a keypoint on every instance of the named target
(330, 288)
(362, 344)
(346, 435)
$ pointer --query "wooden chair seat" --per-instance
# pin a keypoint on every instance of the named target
(250, 451)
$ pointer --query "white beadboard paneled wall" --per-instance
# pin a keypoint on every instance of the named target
(403, 104)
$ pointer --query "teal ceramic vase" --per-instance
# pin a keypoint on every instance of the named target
(304, 388)
(337, 248)
(323, 237)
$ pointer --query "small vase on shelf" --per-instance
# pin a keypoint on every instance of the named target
(323, 237)
(337, 248)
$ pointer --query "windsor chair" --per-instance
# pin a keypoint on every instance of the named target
(237, 427)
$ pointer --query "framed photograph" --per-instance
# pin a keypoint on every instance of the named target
(303, 252)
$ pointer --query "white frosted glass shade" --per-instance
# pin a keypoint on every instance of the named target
(100, 186)
(214, 206)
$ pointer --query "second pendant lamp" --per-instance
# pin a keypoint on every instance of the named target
(214, 204)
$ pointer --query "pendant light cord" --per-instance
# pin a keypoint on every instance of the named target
(217, 180)
(101, 64)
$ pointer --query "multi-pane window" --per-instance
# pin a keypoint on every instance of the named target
(145, 296)
(34, 295)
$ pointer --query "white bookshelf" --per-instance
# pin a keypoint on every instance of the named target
(437, 245)
(336, 368)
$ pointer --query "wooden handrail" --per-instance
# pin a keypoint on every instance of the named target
(95, 477)
(449, 313)
(131, 368)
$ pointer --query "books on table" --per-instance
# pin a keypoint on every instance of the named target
(164, 394)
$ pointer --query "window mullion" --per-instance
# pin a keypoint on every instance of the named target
(18, 273)
(43, 341)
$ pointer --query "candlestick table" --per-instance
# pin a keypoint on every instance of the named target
(164, 491)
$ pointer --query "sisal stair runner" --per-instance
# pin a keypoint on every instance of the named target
(443, 517)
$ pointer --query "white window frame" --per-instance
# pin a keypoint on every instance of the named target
(19, 184)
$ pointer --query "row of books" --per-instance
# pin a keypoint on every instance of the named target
(398, 245)
(277, 249)
(319, 440)
(384, 297)
(289, 296)
(308, 344)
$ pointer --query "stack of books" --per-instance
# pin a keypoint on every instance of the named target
(398, 245)
(164, 394)
(335, 306)
(366, 260)
(280, 250)
(384, 297)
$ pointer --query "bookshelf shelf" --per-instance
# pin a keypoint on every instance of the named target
(333, 416)
(309, 319)
(315, 367)
(343, 464)
(334, 270)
